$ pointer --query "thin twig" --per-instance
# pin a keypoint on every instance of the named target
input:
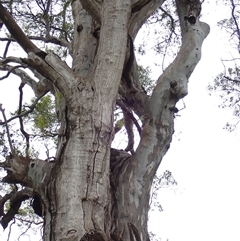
(11, 70)
(6, 49)
(26, 135)
(31, 108)
(8, 132)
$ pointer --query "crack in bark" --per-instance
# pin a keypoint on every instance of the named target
(134, 234)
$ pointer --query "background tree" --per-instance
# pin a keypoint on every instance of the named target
(92, 191)
(227, 83)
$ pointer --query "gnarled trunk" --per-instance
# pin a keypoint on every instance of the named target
(93, 192)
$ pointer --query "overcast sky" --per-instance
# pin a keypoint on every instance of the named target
(203, 158)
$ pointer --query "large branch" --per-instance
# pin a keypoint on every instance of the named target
(55, 70)
(48, 65)
(171, 86)
(17, 32)
(111, 50)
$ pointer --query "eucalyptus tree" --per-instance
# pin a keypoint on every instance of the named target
(90, 191)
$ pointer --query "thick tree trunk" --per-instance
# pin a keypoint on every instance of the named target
(93, 192)
(79, 190)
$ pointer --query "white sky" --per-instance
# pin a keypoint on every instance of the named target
(205, 161)
(203, 158)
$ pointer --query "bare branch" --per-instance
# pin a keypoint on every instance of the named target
(26, 135)
(51, 39)
(39, 87)
(6, 49)
(4, 199)
(10, 71)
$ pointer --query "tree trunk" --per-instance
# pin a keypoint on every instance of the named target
(93, 192)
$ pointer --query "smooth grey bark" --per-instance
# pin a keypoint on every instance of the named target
(93, 192)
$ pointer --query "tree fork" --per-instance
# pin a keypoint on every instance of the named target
(93, 192)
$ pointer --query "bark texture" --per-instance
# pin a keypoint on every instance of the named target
(90, 191)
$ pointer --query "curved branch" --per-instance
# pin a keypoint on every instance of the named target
(38, 88)
(139, 18)
(171, 87)
(16, 200)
